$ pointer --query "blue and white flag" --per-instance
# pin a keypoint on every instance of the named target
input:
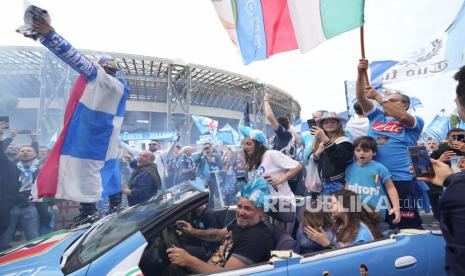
(300, 127)
(83, 164)
(351, 97)
(204, 124)
(438, 128)
(228, 135)
(442, 54)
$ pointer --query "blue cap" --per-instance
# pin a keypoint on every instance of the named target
(256, 191)
(253, 134)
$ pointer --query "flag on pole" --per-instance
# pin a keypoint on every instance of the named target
(441, 55)
(228, 135)
(267, 27)
(438, 128)
(82, 164)
(204, 124)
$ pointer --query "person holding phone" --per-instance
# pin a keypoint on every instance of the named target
(394, 130)
(332, 152)
(455, 146)
(452, 148)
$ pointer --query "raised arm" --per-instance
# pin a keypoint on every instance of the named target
(269, 112)
(360, 84)
(63, 49)
(392, 108)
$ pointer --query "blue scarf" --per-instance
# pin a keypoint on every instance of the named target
(26, 177)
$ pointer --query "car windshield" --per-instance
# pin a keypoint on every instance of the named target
(113, 229)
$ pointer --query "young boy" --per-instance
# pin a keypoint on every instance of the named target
(371, 179)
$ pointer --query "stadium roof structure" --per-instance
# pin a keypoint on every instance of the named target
(170, 86)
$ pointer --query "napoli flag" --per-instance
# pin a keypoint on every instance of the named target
(440, 55)
(83, 163)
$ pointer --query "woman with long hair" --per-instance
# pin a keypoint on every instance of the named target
(352, 224)
(276, 168)
(332, 152)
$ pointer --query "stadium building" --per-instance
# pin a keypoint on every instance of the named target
(35, 86)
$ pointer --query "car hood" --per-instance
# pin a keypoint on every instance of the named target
(39, 256)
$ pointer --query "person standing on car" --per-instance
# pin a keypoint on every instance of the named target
(144, 182)
(102, 76)
(394, 130)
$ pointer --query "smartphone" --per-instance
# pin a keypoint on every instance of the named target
(5, 119)
(421, 162)
(458, 137)
(311, 123)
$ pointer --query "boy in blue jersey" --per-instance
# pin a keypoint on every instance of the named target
(394, 130)
(371, 180)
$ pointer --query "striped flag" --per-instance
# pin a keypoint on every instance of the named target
(267, 27)
(316, 21)
(83, 164)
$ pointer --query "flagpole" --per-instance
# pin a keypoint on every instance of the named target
(362, 48)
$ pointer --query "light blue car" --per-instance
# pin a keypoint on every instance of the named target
(133, 242)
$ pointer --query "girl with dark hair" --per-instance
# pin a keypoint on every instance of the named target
(351, 226)
(313, 218)
(276, 168)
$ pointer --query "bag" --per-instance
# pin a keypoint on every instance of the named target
(312, 180)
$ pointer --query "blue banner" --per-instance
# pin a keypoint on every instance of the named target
(251, 30)
(160, 135)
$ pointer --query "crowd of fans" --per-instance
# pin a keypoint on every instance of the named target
(354, 178)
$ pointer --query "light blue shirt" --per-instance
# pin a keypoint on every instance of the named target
(368, 182)
(393, 138)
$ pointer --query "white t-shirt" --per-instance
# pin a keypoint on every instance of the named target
(275, 164)
(357, 127)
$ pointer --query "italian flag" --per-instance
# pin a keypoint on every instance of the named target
(267, 27)
(316, 21)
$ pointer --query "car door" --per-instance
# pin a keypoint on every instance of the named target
(401, 255)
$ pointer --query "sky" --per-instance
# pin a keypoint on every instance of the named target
(189, 30)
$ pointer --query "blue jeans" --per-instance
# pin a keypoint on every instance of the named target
(28, 218)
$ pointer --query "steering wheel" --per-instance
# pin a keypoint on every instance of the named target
(171, 238)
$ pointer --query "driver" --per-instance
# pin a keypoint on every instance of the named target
(246, 241)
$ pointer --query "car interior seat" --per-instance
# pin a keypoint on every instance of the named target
(282, 240)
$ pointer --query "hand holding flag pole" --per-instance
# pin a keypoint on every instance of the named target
(362, 48)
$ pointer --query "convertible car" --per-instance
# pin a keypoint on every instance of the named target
(134, 240)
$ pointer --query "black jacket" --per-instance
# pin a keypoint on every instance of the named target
(9, 187)
(452, 207)
(333, 161)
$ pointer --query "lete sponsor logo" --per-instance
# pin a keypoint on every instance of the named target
(393, 127)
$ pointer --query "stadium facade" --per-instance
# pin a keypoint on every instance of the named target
(35, 86)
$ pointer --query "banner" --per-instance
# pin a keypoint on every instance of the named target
(160, 135)
(441, 55)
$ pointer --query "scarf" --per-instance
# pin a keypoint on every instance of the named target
(26, 177)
